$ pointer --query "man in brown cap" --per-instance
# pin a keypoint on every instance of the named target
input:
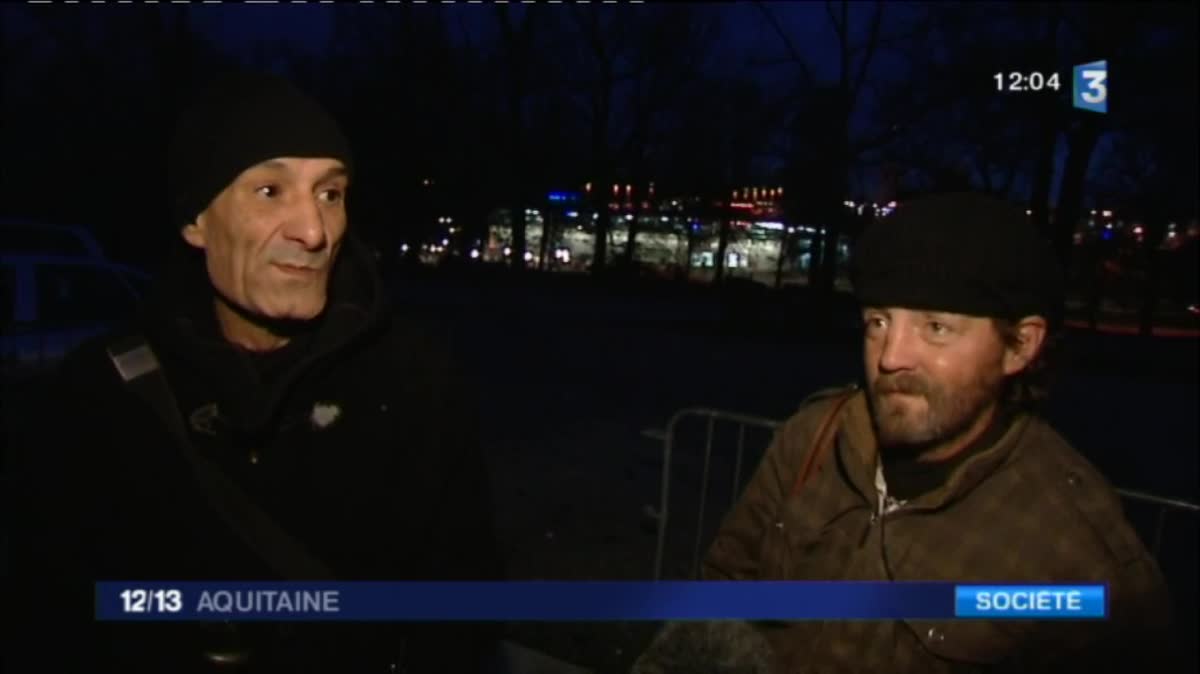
(940, 469)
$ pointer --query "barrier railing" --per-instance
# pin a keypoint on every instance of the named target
(1165, 507)
(667, 436)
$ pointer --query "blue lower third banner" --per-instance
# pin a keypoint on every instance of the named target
(589, 601)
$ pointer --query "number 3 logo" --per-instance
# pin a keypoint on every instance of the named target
(1091, 86)
(1095, 82)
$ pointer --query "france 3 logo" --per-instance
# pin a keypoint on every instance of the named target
(1091, 87)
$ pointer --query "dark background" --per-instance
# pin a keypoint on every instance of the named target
(472, 111)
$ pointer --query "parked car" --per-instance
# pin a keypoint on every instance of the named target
(19, 237)
(51, 304)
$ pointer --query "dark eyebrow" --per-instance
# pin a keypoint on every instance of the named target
(334, 172)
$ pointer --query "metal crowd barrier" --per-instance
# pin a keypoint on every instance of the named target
(667, 436)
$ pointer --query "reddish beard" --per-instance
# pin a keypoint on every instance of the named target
(947, 412)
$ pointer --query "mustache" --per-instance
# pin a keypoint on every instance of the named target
(901, 383)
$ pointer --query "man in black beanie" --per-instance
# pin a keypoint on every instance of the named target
(291, 386)
(938, 467)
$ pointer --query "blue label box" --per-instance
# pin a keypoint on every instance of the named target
(1031, 602)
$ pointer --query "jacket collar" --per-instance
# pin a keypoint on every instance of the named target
(181, 322)
(858, 454)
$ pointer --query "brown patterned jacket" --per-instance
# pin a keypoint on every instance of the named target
(1027, 509)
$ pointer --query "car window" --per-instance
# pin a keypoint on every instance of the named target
(82, 293)
(16, 239)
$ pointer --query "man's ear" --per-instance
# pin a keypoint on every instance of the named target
(1030, 335)
(195, 232)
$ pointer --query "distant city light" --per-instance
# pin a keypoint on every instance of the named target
(791, 230)
(572, 214)
(528, 256)
(665, 219)
(474, 254)
(1028, 211)
(507, 251)
(1108, 226)
(1108, 214)
(891, 204)
(445, 242)
(404, 248)
(1171, 235)
(629, 217)
(776, 226)
(1137, 230)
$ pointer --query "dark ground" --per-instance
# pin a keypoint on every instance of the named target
(572, 375)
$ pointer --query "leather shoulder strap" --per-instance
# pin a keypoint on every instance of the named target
(823, 441)
(138, 366)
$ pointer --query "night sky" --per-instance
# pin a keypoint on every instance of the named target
(747, 44)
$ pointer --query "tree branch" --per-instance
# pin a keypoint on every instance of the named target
(838, 27)
(872, 43)
(805, 73)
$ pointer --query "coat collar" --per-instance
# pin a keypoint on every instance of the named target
(181, 322)
(858, 453)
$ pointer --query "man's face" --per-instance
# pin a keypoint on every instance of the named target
(931, 376)
(271, 237)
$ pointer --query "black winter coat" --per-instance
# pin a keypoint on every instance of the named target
(359, 437)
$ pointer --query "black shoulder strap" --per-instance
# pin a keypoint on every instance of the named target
(139, 367)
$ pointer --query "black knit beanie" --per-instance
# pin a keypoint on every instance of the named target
(961, 253)
(236, 122)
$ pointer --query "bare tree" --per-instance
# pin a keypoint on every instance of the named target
(669, 50)
(822, 134)
(518, 29)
